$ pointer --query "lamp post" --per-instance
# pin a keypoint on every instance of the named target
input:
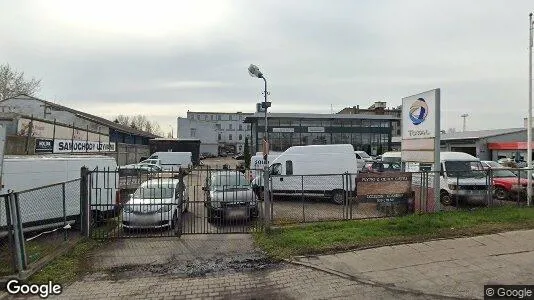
(254, 71)
(529, 128)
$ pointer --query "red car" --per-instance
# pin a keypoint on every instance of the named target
(507, 185)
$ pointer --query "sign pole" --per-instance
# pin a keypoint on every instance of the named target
(437, 146)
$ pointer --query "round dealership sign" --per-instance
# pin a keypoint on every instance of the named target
(418, 111)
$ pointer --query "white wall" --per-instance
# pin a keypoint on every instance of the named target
(229, 124)
(204, 131)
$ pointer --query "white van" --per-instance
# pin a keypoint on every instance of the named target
(361, 158)
(257, 163)
(315, 170)
(43, 208)
(462, 178)
(171, 161)
(392, 156)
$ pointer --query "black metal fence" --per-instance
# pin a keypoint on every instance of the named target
(141, 203)
(37, 223)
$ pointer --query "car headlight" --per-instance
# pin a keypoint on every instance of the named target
(165, 208)
(453, 186)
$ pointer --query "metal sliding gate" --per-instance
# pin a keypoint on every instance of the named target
(130, 203)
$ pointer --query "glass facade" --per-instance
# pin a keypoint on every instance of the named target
(370, 135)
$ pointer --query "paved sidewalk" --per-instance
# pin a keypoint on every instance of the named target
(457, 267)
(286, 282)
(160, 250)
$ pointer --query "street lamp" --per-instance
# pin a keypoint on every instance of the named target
(529, 128)
(254, 71)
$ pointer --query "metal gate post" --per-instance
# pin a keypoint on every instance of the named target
(178, 227)
(19, 266)
(21, 233)
(85, 212)
(266, 197)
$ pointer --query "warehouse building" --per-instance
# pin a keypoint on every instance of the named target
(36, 126)
(370, 133)
(488, 144)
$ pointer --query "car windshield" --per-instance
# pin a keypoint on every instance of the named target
(502, 173)
(464, 169)
(154, 191)
(229, 181)
(364, 155)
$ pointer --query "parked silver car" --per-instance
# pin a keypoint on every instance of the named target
(155, 204)
(229, 195)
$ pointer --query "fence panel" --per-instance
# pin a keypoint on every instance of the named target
(50, 217)
(7, 247)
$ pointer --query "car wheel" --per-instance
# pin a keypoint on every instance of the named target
(501, 193)
(338, 197)
(445, 198)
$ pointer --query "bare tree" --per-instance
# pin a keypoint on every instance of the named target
(139, 122)
(123, 120)
(13, 83)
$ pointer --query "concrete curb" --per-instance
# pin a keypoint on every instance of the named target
(373, 283)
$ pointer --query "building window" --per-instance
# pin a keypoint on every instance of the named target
(193, 132)
(240, 137)
(218, 126)
(248, 127)
(211, 117)
(205, 117)
(218, 117)
(240, 127)
(220, 138)
(289, 167)
(230, 126)
(198, 117)
(230, 137)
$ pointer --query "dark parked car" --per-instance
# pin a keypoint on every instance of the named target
(229, 196)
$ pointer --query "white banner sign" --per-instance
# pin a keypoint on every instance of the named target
(315, 129)
(68, 146)
(283, 130)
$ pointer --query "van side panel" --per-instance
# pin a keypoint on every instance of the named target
(321, 170)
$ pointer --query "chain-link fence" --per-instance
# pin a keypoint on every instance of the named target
(7, 246)
(37, 223)
(309, 198)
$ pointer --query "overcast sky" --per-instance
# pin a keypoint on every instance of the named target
(162, 58)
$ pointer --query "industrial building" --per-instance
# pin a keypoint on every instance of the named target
(370, 133)
(38, 126)
(488, 144)
(204, 131)
(378, 108)
(230, 132)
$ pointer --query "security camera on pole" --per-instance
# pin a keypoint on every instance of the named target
(254, 71)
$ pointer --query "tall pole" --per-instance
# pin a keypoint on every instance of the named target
(267, 200)
(529, 128)
(465, 117)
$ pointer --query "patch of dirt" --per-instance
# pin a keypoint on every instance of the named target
(198, 267)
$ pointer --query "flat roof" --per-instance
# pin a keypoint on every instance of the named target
(478, 134)
(320, 116)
